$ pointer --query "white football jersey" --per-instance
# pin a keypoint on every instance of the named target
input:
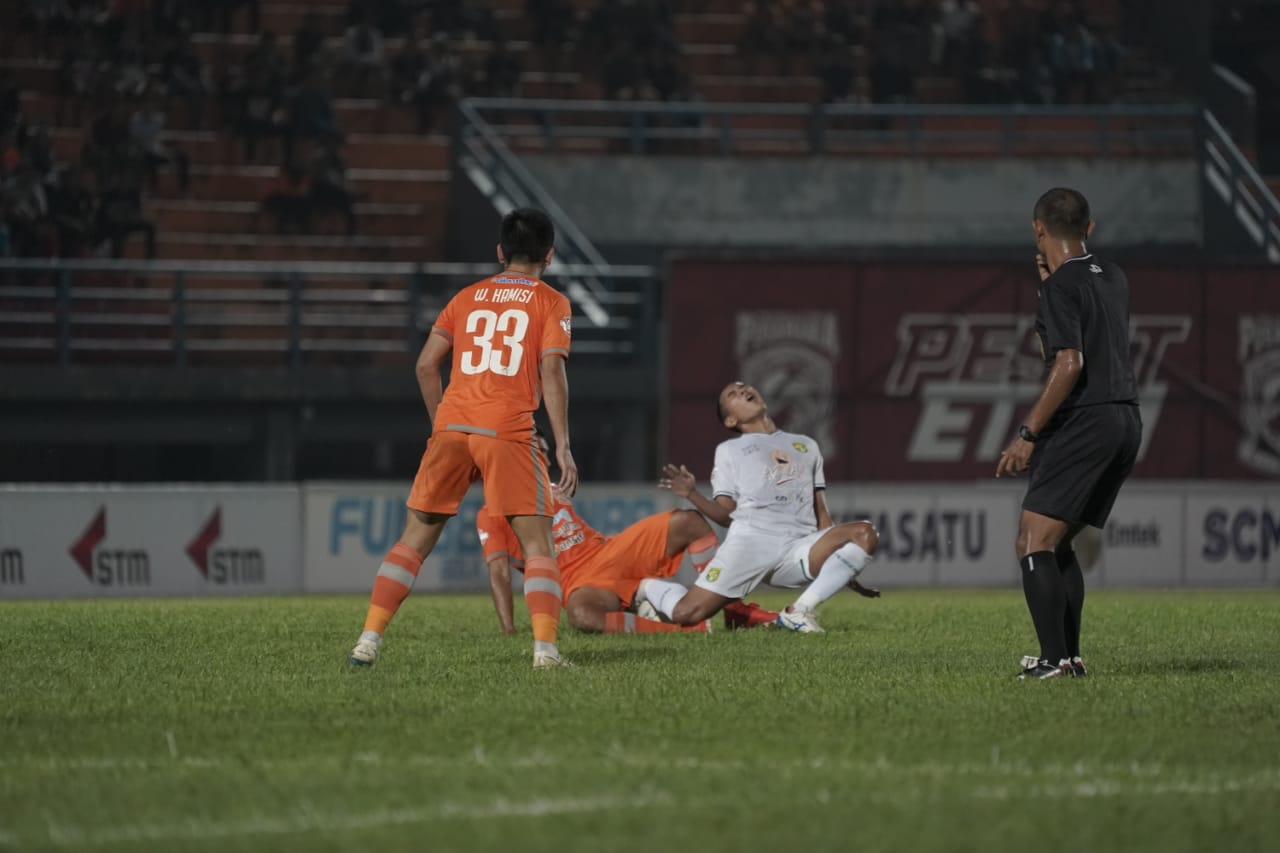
(771, 477)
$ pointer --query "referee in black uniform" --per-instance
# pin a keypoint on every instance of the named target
(1081, 437)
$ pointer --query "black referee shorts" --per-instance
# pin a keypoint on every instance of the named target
(1078, 466)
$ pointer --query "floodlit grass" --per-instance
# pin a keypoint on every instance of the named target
(237, 725)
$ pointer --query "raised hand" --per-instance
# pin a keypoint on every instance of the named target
(680, 481)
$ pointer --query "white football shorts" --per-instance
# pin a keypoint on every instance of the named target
(748, 558)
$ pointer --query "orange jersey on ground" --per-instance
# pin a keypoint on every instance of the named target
(500, 329)
(586, 558)
(574, 540)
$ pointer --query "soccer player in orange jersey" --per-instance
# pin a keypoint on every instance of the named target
(509, 336)
(600, 574)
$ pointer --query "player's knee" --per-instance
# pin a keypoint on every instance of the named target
(687, 526)
(1030, 541)
(584, 617)
(865, 536)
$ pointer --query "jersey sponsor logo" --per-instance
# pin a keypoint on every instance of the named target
(225, 566)
(1095, 269)
(565, 544)
(972, 373)
(713, 574)
(1258, 352)
(783, 469)
(107, 566)
(792, 357)
(483, 534)
(513, 279)
(800, 446)
(566, 323)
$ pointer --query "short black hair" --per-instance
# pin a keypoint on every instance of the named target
(1065, 213)
(720, 414)
(526, 235)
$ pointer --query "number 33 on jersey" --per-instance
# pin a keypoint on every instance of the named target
(500, 329)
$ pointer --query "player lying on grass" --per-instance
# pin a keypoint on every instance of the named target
(768, 490)
(600, 574)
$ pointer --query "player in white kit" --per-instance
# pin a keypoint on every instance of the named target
(768, 490)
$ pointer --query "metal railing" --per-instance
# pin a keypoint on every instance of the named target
(1230, 174)
(280, 314)
(905, 129)
(481, 154)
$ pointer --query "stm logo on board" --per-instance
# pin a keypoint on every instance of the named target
(225, 565)
(109, 566)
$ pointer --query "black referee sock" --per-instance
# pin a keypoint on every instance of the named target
(1047, 600)
(1073, 584)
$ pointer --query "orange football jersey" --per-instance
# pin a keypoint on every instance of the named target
(573, 539)
(500, 329)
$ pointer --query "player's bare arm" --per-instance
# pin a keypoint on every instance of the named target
(820, 511)
(1063, 376)
(430, 360)
(500, 590)
(555, 395)
(680, 481)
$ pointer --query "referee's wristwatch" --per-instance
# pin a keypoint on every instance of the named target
(1027, 435)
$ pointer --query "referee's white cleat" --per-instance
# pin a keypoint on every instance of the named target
(800, 621)
(366, 650)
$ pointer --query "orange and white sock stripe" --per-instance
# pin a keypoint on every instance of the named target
(543, 596)
(396, 576)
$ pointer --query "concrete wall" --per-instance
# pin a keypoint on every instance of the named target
(825, 204)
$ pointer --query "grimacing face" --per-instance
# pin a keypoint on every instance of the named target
(741, 402)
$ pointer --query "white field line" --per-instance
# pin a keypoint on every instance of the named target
(1080, 779)
(479, 758)
(1012, 781)
(308, 818)
(1261, 782)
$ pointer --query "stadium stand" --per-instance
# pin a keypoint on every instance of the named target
(277, 131)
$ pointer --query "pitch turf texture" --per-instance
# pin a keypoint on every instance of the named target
(237, 725)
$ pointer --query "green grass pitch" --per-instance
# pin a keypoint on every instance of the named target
(236, 725)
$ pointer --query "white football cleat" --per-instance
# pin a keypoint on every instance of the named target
(366, 650)
(800, 621)
(547, 660)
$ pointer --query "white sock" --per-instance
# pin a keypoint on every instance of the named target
(840, 568)
(663, 595)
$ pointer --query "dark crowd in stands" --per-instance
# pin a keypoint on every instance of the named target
(128, 71)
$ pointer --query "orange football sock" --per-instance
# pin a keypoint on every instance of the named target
(702, 550)
(542, 595)
(391, 587)
(629, 623)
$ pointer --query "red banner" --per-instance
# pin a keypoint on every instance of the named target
(907, 371)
